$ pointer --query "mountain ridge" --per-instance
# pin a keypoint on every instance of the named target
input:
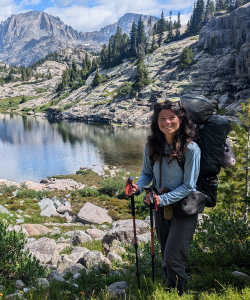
(28, 37)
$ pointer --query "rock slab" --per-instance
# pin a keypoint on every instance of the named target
(91, 213)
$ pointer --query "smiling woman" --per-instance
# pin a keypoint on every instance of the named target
(169, 146)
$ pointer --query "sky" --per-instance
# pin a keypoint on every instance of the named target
(90, 15)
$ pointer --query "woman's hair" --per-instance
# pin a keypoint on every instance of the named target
(183, 136)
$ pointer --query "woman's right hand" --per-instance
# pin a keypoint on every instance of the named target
(133, 189)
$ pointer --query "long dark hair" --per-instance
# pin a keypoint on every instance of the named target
(184, 135)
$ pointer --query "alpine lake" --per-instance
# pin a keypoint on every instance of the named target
(32, 148)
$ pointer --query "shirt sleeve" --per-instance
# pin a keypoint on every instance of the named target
(191, 173)
(147, 171)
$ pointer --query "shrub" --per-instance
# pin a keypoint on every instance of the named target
(124, 89)
(14, 262)
(186, 57)
(7, 189)
(87, 192)
(112, 187)
(220, 247)
(31, 193)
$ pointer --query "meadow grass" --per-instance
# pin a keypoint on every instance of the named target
(212, 256)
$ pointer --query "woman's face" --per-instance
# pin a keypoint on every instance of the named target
(168, 123)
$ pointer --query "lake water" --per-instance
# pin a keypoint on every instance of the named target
(32, 148)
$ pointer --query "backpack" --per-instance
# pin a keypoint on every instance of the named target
(212, 132)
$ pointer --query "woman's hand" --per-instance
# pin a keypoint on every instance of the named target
(133, 189)
(156, 199)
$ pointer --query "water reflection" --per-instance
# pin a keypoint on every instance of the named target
(32, 148)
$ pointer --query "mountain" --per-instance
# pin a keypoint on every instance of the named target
(28, 37)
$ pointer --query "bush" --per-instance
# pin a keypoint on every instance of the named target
(31, 193)
(113, 188)
(220, 247)
(14, 262)
(186, 57)
(7, 189)
(86, 192)
(124, 89)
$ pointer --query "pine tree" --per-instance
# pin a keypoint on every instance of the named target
(178, 26)
(170, 32)
(104, 54)
(133, 40)
(208, 14)
(186, 57)
(154, 44)
(97, 79)
(142, 76)
(161, 29)
(141, 37)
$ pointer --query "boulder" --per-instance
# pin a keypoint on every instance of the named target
(78, 233)
(118, 289)
(54, 276)
(123, 232)
(76, 268)
(42, 282)
(47, 208)
(96, 234)
(77, 253)
(63, 185)
(64, 265)
(62, 246)
(18, 228)
(45, 250)
(80, 239)
(145, 237)
(19, 284)
(34, 186)
(36, 229)
(112, 256)
(241, 275)
(63, 209)
(94, 259)
(4, 210)
(91, 213)
(117, 248)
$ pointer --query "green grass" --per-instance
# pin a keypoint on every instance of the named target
(93, 245)
(40, 90)
(102, 102)
(13, 102)
(209, 272)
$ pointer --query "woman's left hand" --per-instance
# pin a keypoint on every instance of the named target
(156, 199)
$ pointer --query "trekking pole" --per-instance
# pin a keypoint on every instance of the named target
(153, 205)
(129, 184)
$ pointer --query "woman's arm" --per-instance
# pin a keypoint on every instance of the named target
(146, 173)
(191, 173)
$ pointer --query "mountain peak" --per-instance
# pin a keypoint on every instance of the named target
(30, 36)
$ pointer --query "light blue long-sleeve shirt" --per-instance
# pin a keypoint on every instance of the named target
(179, 183)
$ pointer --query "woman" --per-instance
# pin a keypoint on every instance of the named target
(172, 161)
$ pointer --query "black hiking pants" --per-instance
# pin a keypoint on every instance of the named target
(174, 237)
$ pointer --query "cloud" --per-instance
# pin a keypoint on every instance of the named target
(9, 8)
(29, 2)
(85, 18)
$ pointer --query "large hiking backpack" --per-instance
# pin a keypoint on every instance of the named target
(213, 130)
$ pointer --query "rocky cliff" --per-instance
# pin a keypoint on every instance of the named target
(28, 37)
